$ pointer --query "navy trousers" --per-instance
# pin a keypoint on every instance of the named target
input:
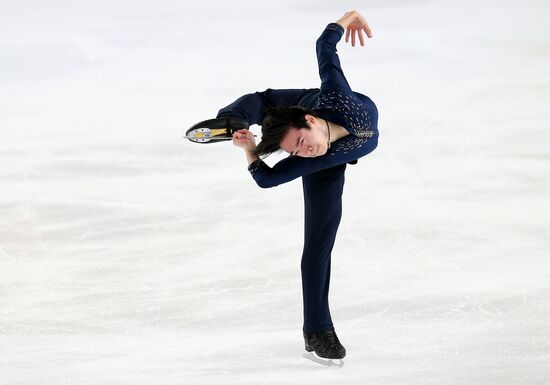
(323, 211)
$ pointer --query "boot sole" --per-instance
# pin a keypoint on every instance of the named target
(310, 349)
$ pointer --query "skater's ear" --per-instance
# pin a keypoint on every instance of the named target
(310, 119)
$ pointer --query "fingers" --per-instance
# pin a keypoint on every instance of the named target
(360, 33)
(240, 138)
(367, 30)
(241, 133)
(357, 26)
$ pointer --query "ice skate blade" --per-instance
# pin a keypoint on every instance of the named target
(205, 134)
(323, 361)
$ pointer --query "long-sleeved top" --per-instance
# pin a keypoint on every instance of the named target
(334, 101)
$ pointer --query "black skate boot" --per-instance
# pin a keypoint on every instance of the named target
(215, 130)
(325, 344)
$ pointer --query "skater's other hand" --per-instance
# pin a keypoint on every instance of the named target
(354, 23)
(245, 139)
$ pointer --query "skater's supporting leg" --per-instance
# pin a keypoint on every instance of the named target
(323, 211)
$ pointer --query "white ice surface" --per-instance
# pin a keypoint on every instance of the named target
(131, 256)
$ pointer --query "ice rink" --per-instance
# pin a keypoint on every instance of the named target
(129, 255)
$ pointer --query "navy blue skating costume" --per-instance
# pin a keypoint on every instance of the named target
(322, 176)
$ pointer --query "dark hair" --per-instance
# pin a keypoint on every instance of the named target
(276, 124)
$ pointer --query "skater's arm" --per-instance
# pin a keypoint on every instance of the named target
(345, 150)
(330, 70)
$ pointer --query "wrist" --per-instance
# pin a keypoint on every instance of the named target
(346, 20)
(251, 155)
(337, 26)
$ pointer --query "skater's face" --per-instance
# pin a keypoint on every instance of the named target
(307, 143)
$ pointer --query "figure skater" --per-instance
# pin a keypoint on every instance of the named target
(322, 129)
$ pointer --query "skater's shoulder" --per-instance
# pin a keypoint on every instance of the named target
(342, 99)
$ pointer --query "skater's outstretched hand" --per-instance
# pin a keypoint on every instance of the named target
(245, 139)
(354, 23)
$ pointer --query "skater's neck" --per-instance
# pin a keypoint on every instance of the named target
(336, 132)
